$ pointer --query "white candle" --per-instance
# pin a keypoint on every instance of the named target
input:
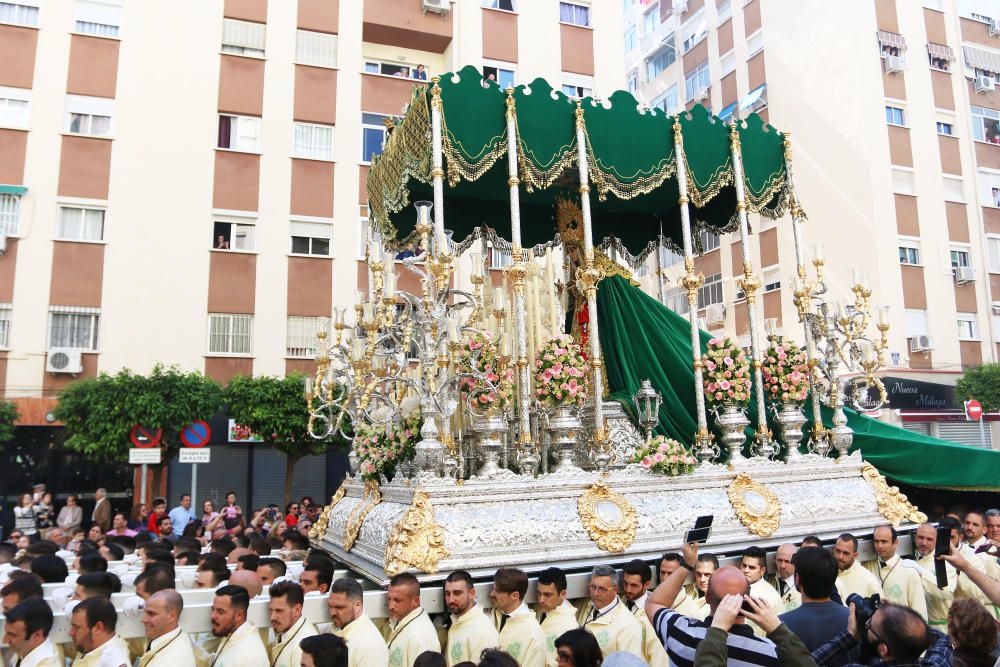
(357, 348)
(818, 250)
(505, 345)
(883, 314)
(555, 326)
(498, 298)
(477, 264)
(359, 297)
(452, 330)
(369, 311)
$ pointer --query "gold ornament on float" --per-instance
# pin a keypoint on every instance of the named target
(610, 519)
(417, 541)
(892, 504)
(756, 506)
(319, 528)
(357, 516)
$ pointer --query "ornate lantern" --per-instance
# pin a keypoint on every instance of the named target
(647, 406)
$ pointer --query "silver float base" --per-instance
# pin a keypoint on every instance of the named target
(532, 523)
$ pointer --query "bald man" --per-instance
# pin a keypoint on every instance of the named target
(169, 646)
(784, 576)
(681, 635)
(410, 630)
(938, 599)
(251, 581)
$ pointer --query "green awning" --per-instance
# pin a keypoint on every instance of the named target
(12, 189)
(631, 156)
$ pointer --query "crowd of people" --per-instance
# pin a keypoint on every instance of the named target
(819, 606)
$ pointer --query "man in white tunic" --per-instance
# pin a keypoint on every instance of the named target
(365, 645)
(471, 630)
(852, 576)
(26, 634)
(703, 570)
(239, 639)
(92, 630)
(754, 567)
(607, 618)
(555, 614)
(636, 577)
(684, 603)
(169, 646)
(520, 633)
(900, 584)
(410, 630)
(938, 599)
(974, 530)
(288, 624)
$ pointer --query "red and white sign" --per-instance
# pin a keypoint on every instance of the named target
(143, 436)
(973, 410)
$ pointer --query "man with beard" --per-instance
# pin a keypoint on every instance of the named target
(289, 625)
(240, 644)
(636, 577)
(365, 646)
(471, 630)
(92, 630)
(556, 615)
(852, 576)
(411, 631)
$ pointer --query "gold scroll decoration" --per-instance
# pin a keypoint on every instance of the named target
(417, 541)
(892, 504)
(360, 511)
(756, 506)
(319, 528)
(610, 519)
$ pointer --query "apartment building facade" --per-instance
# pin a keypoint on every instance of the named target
(188, 187)
(893, 114)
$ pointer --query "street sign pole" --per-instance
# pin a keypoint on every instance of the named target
(982, 434)
(142, 484)
(194, 484)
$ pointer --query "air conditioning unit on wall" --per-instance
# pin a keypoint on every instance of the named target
(964, 274)
(895, 64)
(701, 94)
(64, 361)
(921, 344)
(985, 84)
(437, 6)
(715, 313)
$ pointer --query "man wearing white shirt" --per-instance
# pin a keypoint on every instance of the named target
(471, 630)
(92, 630)
(410, 630)
(636, 577)
(753, 564)
(239, 639)
(900, 584)
(26, 633)
(520, 633)
(555, 614)
(852, 576)
(365, 646)
(289, 625)
(169, 646)
(938, 599)
(181, 515)
(975, 533)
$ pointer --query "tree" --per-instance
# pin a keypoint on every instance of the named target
(983, 384)
(275, 409)
(8, 415)
(100, 412)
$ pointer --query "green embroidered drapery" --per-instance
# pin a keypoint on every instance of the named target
(642, 339)
(630, 153)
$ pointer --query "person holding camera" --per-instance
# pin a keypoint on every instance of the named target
(888, 634)
(713, 651)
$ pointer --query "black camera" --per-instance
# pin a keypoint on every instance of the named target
(864, 609)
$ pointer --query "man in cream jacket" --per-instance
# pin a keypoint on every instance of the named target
(239, 639)
(169, 646)
(410, 631)
(26, 633)
(555, 614)
(92, 630)
(636, 577)
(520, 633)
(607, 618)
(365, 646)
(471, 630)
(289, 625)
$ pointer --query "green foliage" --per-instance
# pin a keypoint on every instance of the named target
(8, 415)
(275, 409)
(99, 412)
(983, 384)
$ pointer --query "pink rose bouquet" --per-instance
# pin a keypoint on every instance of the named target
(381, 448)
(665, 456)
(725, 372)
(785, 371)
(561, 373)
(479, 355)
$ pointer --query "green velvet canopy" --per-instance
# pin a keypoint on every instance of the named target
(630, 154)
(642, 339)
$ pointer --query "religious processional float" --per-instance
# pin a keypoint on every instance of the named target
(564, 417)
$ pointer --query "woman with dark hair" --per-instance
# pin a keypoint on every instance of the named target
(973, 632)
(429, 659)
(24, 516)
(494, 657)
(578, 648)
(139, 517)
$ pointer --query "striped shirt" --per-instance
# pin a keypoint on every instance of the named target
(680, 635)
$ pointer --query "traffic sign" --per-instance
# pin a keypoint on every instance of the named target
(196, 434)
(143, 436)
(143, 455)
(195, 455)
(973, 410)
